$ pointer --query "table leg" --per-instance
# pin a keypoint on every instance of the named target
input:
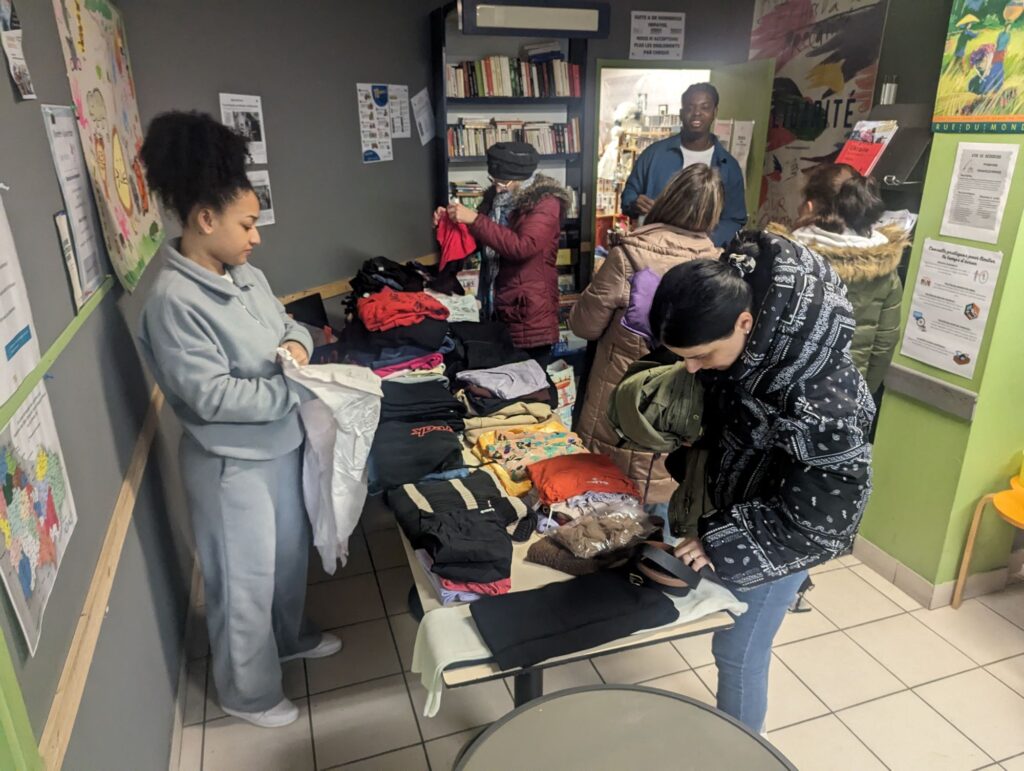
(415, 606)
(529, 685)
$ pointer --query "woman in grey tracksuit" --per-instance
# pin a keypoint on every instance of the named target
(210, 331)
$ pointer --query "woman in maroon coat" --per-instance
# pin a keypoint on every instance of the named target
(517, 227)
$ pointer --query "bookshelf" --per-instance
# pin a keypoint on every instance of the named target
(484, 84)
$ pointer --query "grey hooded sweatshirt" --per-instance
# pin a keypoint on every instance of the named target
(211, 344)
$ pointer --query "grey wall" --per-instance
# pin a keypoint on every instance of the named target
(303, 58)
(99, 397)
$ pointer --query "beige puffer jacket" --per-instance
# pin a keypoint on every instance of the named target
(598, 315)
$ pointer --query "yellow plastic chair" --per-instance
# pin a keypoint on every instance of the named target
(1009, 504)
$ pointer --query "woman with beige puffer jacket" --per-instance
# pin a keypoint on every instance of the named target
(676, 230)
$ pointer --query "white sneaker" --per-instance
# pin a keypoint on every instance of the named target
(329, 645)
(285, 713)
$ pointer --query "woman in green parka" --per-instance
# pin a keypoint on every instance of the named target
(838, 220)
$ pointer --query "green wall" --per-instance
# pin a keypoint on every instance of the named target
(931, 468)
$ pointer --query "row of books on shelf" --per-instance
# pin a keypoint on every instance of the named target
(473, 137)
(504, 76)
(471, 193)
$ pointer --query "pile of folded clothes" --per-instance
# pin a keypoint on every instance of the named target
(419, 433)
(512, 450)
(458, 527)
(466, 429)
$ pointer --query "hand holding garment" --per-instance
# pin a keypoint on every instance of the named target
(340, 423)
(455, 240)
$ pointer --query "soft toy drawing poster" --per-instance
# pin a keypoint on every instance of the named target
(981, 85)
(103, 89)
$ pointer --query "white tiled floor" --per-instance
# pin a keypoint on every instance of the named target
(866, 680)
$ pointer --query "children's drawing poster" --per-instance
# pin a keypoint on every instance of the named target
(37, 511)
(96, 54)
(981, 86)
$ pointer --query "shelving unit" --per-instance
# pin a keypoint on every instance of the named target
(450, 47)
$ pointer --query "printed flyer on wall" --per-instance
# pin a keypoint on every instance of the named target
(979, 190)
(950, 307)
(374, 122)
(244, 114)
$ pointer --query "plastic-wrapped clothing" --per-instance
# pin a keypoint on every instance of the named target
(340, 423)
(594, 534)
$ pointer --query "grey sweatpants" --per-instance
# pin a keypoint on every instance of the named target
(252, 537)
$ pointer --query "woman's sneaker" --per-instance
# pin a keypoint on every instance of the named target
(285, 713)
(329, 645)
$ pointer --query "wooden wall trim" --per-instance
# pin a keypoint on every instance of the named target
(66, 701)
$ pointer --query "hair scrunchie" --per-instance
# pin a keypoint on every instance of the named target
(744, 263)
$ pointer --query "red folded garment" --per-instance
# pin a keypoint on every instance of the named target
(429, 361)
(455, 240)
(564, 477)
(388, 309)
(504, 586)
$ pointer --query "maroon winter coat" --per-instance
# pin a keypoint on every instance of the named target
(526, 290)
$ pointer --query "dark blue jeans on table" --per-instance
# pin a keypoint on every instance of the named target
(744, 652)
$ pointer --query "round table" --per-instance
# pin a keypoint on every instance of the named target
(619, 726)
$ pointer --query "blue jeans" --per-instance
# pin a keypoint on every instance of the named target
(744, 652)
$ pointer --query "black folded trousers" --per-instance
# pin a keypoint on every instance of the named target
(469, 545)
(524, 628)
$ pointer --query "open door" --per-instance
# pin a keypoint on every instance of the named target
(638, 104)
(746, 95)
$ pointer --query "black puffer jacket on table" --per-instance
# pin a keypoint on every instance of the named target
(790, 471)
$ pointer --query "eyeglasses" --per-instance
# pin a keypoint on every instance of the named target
(498, 184)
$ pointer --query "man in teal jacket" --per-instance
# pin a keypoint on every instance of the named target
(695, 144)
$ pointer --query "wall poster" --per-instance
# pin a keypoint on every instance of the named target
(826, 60)
(981, 90)
(95, 49)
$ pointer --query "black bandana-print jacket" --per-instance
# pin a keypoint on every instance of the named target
(790, 474)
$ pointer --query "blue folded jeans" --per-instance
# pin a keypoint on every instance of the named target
(744, 652)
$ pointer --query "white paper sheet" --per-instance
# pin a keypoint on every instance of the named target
(19, 346)
(424, 116)
(261, 184)
(76, 190)
(401, 121)
(656, 35)
(950, 307)
(742, 139)
(244, 113)
(40, 511)
(10, 39)
(67, 249)
(723, 131)
(978, 191)
(374, 122)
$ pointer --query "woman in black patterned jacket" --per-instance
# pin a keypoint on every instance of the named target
(787, 415)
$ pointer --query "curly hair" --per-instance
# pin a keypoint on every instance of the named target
(192, 160)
